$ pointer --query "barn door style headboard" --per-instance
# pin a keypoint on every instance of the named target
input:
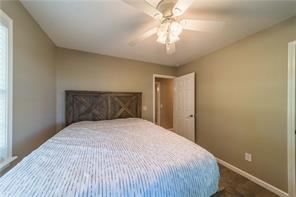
(93, 105)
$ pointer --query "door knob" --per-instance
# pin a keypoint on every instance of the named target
(190, 116)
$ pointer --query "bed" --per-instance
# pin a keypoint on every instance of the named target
(113, 154)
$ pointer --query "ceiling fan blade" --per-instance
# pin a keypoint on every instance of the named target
(170, 48)
(145, 7)
(181, 6)
(202, 25)
(144, 36)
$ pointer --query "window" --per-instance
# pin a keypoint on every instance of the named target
(5, 90)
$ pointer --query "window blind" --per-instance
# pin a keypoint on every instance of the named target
(4, 50)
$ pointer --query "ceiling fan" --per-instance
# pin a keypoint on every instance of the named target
(168, 13)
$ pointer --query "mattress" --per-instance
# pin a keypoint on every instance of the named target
(124, 157)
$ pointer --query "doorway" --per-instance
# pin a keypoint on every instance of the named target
(291, 119)
(174, 103)
(163, 101)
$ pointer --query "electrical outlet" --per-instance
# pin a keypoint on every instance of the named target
(248, 157)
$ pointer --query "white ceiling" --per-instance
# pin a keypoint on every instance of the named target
(106, 26)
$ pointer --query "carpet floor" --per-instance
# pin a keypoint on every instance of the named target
(235, 185)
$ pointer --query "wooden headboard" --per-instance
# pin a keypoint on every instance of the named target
(93, 105)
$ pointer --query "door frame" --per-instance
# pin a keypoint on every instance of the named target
(158, 101)
(153, 89)
(291, 118)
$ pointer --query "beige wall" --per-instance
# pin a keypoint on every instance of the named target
(33, 81)
(78, 70)
(242, 99)
(166, 99)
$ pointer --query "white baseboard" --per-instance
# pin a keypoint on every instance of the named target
(254, 179)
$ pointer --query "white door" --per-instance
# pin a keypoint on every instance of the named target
(184, 106)
(157, 103)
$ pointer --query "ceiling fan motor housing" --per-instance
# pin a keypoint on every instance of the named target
(166, 7)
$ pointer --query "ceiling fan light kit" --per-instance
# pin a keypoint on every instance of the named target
(170, 28)
(168, 32)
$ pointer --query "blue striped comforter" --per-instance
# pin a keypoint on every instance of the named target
(125, 157)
